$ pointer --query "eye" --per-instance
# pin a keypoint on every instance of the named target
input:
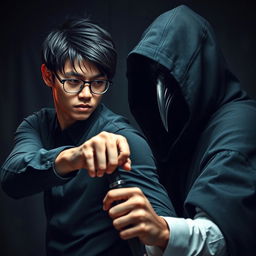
(98, 83)
(73, 82)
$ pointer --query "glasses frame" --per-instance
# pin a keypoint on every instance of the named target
(62, 81)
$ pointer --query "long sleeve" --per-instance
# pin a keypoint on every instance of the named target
(144, 174)
(29, 167)
(198, 236)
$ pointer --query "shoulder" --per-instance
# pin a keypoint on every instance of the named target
(113, 122)
(118, 124)
(235, 120)
(233, 125)
(236, 113)
(42, 117)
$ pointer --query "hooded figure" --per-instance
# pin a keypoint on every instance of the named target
(199, 123)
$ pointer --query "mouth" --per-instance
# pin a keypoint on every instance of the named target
(83, 107)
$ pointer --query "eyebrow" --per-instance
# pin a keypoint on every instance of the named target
(72, 73)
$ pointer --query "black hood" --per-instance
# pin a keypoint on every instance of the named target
(179, 47)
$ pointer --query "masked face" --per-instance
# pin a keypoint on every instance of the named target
(157, 104)
(164, 96)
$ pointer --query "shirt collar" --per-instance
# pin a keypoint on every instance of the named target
(74, 133)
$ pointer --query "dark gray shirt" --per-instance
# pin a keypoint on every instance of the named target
(76, 223)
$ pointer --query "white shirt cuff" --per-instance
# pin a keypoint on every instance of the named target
(192, 237)
(179, 238)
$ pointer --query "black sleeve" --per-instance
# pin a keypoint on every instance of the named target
(29, 167)
(225, 190)
(144, 174)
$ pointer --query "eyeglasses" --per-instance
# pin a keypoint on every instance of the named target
(72, 85)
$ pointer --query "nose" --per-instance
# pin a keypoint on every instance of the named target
(86, 92)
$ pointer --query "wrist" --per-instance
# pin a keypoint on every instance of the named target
(164, 236)
(62, 163)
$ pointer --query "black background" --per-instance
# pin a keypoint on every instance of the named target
(23, 27)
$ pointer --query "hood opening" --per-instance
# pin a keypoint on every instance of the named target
(156, 102)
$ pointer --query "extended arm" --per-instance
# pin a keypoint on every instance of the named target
(174, 236)
(31, 167)
(198, 236)
(100, 154)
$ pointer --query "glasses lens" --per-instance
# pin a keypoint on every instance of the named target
(99, 86)
(72, 85)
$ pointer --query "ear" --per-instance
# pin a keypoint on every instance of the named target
(47, 75)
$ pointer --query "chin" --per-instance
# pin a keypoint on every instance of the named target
(80, 117)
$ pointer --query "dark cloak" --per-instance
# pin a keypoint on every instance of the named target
(206, 150)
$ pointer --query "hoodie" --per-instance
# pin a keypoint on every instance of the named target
(198, 122)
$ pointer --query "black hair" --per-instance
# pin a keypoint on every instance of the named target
(79, 39)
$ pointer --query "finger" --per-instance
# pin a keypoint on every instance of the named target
(133, 231)
(133, 195)
(121, 209)
(100, 156)
(116, 195)
(89, 160)
(134, 212)
(123, 222)
(112, 156)
(123, 149)
(126, 165)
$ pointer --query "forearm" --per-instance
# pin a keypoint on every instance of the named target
(27, 173)
(199, 236)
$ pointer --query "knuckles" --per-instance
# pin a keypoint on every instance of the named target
(139, 215)
(137, 191)
(88, 155)
(110, 195)
(111, 214)
(112, 163)
(144, 228)
(116, 224)
(104, 134)
(104, 138)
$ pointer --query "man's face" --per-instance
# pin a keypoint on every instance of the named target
(79, 106)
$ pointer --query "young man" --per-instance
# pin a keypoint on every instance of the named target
(203, 137)
(70, 152)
